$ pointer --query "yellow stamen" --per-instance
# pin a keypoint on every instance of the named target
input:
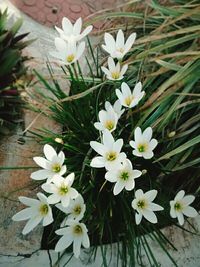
(142, 204)
(115, 75)
(124, 176)
(77, 210)
(56, 167)
(128, 100)
(44, 209)
(78, 230)
(178, 206)
(142, 147)
(111, 156)
(63, 190)
(109, 125)
(70, 58)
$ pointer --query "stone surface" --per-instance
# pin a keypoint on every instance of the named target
(54, 10)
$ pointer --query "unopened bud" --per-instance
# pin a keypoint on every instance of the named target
(171, 134)
(144, 172)
(59, 140)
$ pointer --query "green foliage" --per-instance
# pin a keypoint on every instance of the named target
(12, 68)
(166, 58)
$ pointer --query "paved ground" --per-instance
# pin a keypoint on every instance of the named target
(51, 12)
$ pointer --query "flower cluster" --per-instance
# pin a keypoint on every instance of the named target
(59, 192)
(119, 169)
(63, 196)
(68, 45)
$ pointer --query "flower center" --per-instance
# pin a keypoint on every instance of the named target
(141, 204)
(124, 176)
(78, 230)
(44, 209)
(128, 100)
(70, 58)
(142, 148)
(77, 210)
(109, 125)
(115, 75)
(63, 190)
(121, 50)
(178, 206)
(56, 167)
(111, 156)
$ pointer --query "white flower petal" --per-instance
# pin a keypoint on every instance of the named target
(40, 175)
(32, 223)
(190, 212)
(98, 147)
(49, 152)
(23, 214)
(150, 216)
(153, 143)
(138, 218)
(52, 199)
(67, 26)
(42, 162)
(77, 26)
(86, 31)
(188, 199)
(118, 188)
(48, 219)
(97, 162)
(147, 134)
(180, 218)
(130, 41)
(77, 247)
(29, 201)
(180, 195)
(155, 207)
(151, 194)
(86, 241)
(63, 243)
(120, 39)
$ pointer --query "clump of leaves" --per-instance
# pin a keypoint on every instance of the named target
(11, 70)
(166, 58)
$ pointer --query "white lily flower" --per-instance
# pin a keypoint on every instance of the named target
(108, 120)
(38, 211)
(75, 210)
(114, 72)
(127, 98)
(61, 190)
(75, 233)
(180, 206)
(52, 165)
(144, 206)
(109, 150)
(72, 33)
(117, 107)
(123, 177)
(118, 48)
(67, 53)
(143, 145)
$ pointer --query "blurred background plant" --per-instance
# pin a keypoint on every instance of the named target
(12, 71)
(166, 58)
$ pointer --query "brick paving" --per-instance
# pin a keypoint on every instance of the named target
(51, 12)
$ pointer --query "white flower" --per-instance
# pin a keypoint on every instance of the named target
(127, 98)
(52, 164)
(37, 211)
(118, 49)
(144, 206)
(75, 210)
(108, 120)
(180, 206)
(72, 33)
(61, 190)
(67, 53)
(124, 177)
(114, 72)
(143, 145)
(117, 107)
(75, 233)
(109, 150)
